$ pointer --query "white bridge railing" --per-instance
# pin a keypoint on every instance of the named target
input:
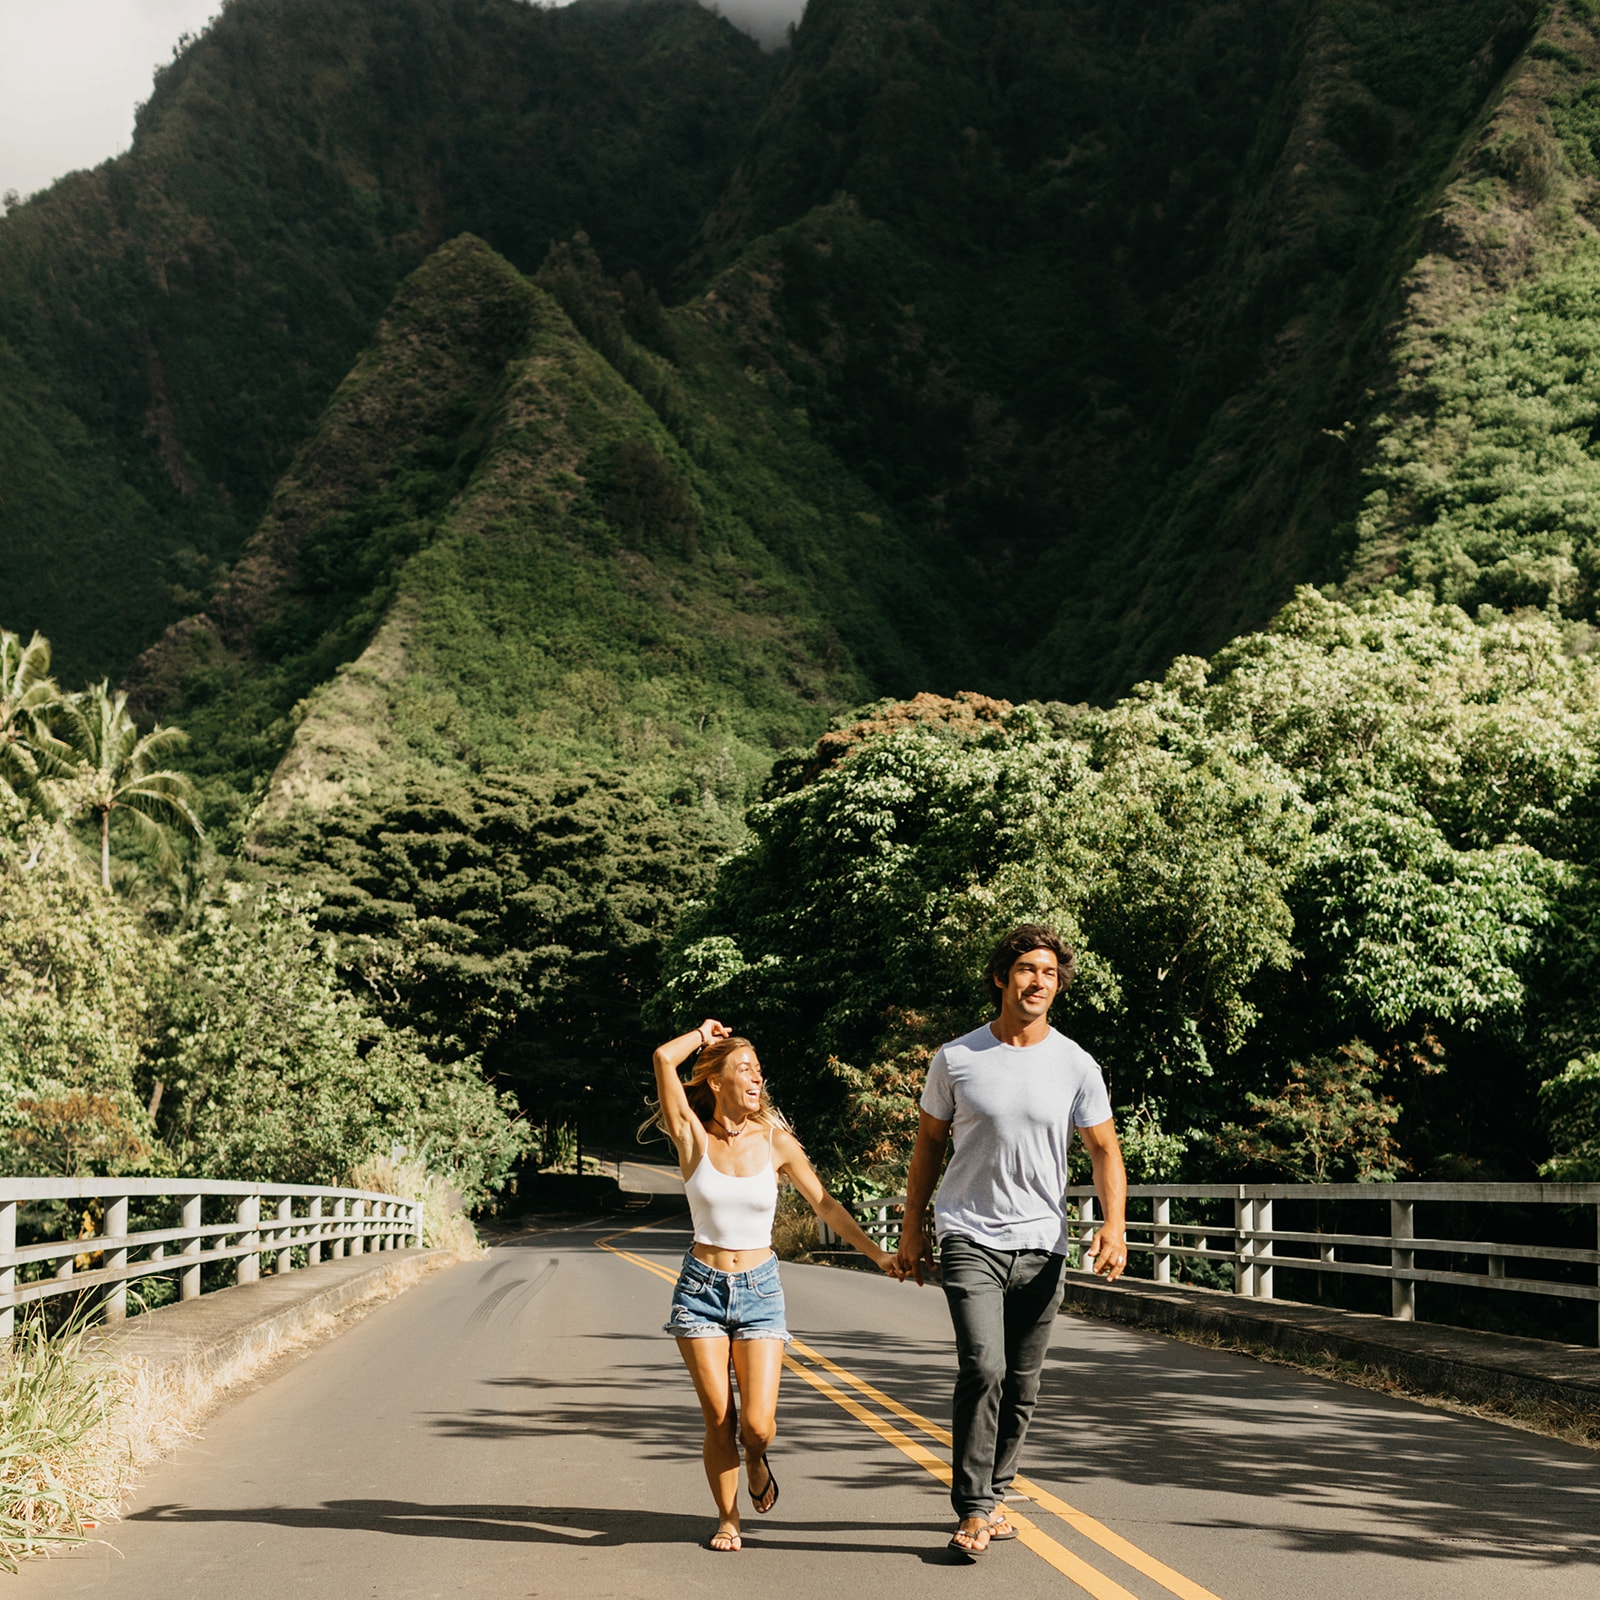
(285, 1225)
(1254, 1247)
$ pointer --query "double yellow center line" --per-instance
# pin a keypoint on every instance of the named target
(1088, 1578)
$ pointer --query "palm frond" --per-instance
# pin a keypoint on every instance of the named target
(24, 668)
(162, 796)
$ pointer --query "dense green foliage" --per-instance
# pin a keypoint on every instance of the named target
(1083, 286)
(1022, 346)
(226, 1045)
(271, 1067)
(517, 563)
(1487, 487)
(1364, 824)
(521, 917)
(77, 998)
(172, 323)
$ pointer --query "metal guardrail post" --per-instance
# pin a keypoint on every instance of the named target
(115, 1226)
(189, 1278)
(285, 1235)
(313, 1243)
(248, 1215)
(360, 1210)
(1402, 1292)
(1085, 1233)
(1160, 1212)
(1263, 1287)
(1244, 1217)
(8, 1275)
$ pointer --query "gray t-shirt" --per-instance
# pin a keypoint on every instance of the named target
(1012, 1111)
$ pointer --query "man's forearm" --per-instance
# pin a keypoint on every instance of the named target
(1111, 1184)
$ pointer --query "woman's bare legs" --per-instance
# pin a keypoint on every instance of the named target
(707, 1361)
(758, 1365)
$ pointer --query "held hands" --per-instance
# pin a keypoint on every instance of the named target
(1109, 1252)
(885, 1261)
(914, 1258)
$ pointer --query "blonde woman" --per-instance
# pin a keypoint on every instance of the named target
(732, 1147)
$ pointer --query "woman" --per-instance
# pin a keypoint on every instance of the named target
(732, 1146)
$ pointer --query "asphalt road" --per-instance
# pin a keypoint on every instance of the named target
(519, 1427)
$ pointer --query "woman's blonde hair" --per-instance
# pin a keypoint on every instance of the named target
(702, 1101)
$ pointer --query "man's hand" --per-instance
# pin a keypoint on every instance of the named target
(1109, 1252)
(914, 1256)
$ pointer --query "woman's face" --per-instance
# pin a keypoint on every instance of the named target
(738, 1084)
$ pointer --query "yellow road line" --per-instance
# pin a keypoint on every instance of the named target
(1090, 1527)
(905, 1413)
(1115, 1544)
(1028, 1532)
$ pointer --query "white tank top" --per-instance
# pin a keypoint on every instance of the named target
(732, 1213)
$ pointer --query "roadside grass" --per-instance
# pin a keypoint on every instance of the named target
(79, 1422)
(63, 1466)
(794, 1228)
(445, 1224)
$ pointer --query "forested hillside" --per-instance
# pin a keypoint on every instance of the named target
(172, 323)
(515, 446)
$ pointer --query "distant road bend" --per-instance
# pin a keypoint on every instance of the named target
(519, 1427)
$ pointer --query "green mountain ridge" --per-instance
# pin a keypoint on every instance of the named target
(1027, 351)
(183, 312)
(494, 554)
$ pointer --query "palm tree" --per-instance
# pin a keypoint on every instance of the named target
(29, 751)
(118, 771)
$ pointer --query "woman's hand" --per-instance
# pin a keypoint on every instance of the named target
(888, 1262)
(712, 1029)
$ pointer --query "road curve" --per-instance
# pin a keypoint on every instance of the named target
(519, 1427)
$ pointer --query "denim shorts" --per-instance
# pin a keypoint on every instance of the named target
(707, 1304)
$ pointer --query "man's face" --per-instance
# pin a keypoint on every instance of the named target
(1031, 985)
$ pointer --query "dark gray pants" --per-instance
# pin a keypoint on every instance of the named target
(1003, 1303)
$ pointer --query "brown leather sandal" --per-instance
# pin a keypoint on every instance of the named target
(971, 1533)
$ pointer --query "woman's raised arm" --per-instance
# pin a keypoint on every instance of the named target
(676, 1114)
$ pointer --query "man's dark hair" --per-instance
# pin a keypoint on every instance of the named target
(1016, 944)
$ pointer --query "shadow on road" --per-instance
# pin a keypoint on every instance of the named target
(1333, 1469)
(586, 1526)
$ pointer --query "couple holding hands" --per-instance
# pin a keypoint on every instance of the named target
(1011, 1093)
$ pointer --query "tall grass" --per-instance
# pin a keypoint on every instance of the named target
(445, 1225)
(61, 1471)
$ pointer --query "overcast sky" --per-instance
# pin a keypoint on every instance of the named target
(71, 72)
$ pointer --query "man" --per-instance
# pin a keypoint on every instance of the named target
(1012, 1091)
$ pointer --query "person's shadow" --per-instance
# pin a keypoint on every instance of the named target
(586, 1526)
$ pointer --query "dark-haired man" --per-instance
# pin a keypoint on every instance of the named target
(1012, 1091)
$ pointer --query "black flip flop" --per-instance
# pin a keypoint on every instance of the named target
(772, 1484)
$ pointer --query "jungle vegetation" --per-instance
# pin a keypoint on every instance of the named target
(630, 524)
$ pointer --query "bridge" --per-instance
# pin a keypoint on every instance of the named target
(518, 1426)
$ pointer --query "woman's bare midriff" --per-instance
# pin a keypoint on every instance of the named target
(730, 1260)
